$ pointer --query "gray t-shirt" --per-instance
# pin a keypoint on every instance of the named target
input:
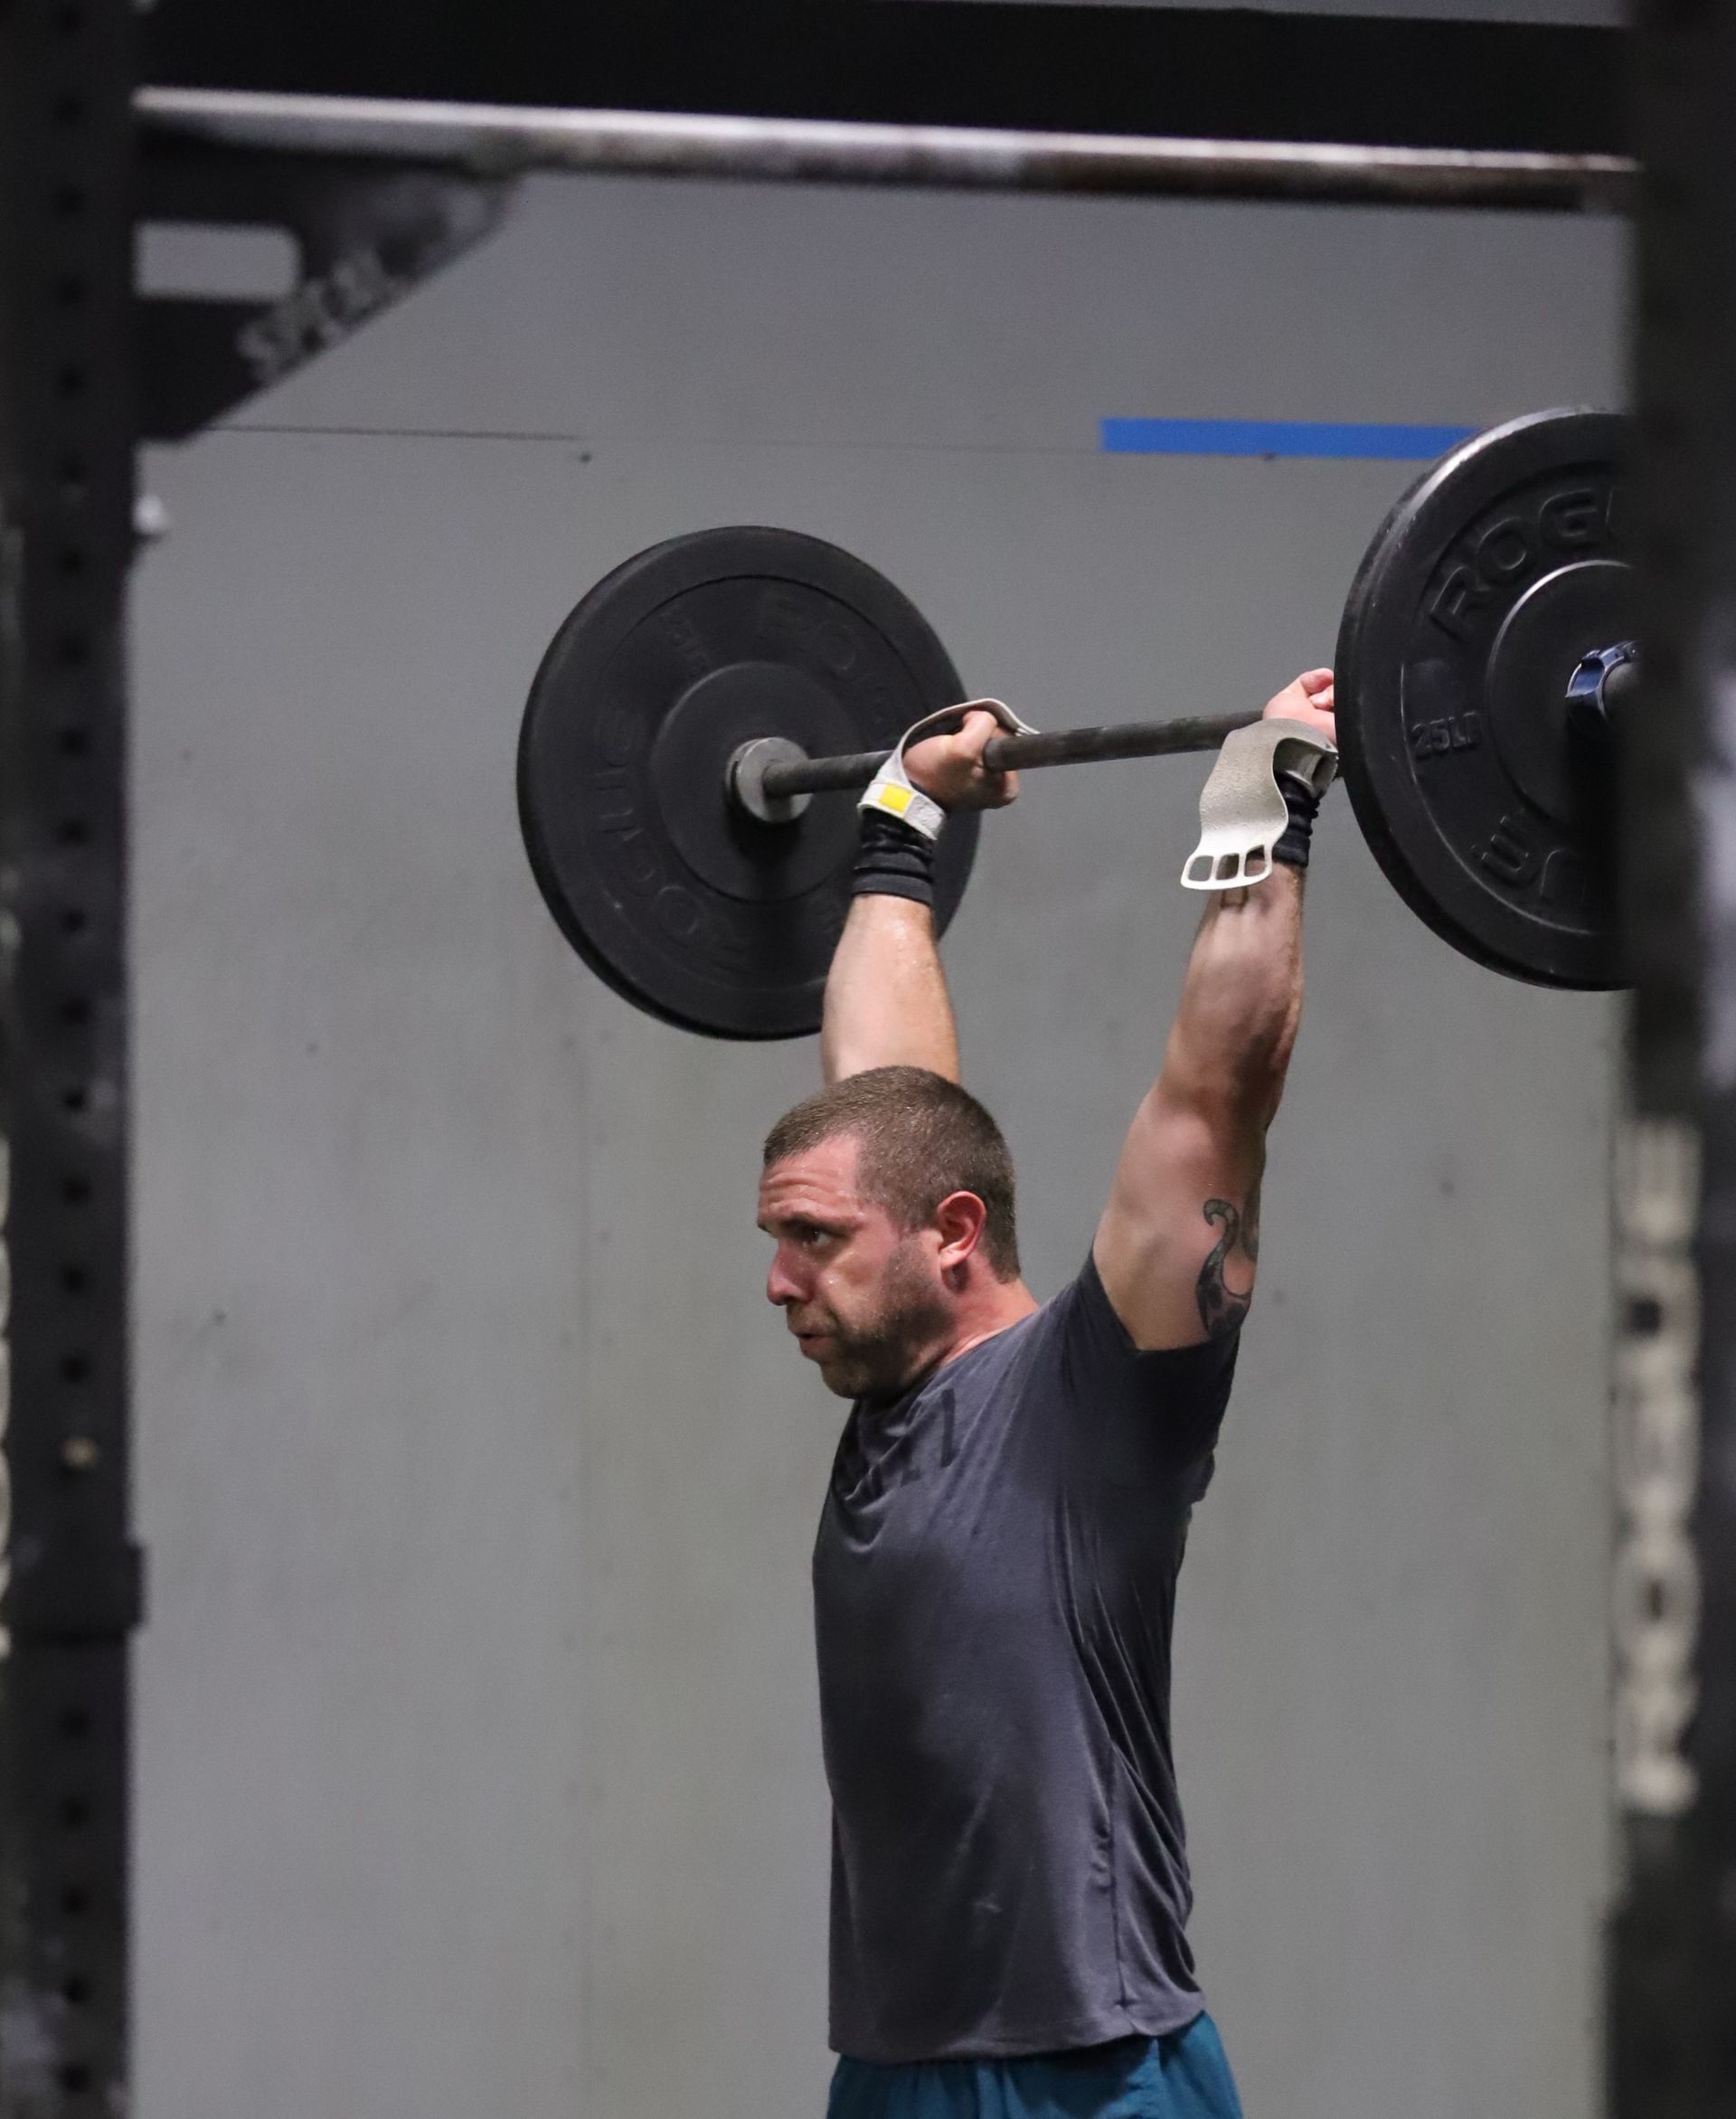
(994, 1587)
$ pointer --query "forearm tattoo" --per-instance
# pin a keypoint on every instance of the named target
(1221, 1306)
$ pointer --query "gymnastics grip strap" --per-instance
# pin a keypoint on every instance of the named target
(1244, 816)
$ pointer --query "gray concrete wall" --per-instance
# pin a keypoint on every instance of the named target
(477, 1767)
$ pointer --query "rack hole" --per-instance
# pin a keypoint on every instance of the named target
(72, 742)
(74, 920)
(75, 1368)
(75, 1099)
(68, 109)
(75, 1013)
(76, 1191)
(75, 1814)
(71, 380)
(75, 1723)
(72, 831)
(75, 1989)
(69, 201)
(75, 2077)
(73, 563)
(74, 1280)
(74, 650)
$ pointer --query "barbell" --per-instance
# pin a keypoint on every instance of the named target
(699, 719)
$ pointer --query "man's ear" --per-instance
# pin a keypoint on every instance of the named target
(959, 1218)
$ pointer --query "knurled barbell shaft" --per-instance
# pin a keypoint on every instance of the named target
(1061, 746)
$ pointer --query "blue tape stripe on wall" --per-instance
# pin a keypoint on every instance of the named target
(1318, 438)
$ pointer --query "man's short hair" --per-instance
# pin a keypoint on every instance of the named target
(922, 1139)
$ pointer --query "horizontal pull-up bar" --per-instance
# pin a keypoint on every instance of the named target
(505, 140)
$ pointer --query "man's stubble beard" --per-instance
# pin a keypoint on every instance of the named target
(883, 1359)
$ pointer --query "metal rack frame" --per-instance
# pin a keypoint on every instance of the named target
(66, 501)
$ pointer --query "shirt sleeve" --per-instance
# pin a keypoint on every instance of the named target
(1147, 1410)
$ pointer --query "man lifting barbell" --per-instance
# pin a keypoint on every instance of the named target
(996, 1566)
(997, 1562)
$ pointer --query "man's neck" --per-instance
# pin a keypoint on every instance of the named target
(983, 1311)
(986, 1310)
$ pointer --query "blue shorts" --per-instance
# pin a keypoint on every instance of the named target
(1182, 2075)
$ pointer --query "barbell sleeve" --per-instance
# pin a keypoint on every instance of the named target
(1061, 746)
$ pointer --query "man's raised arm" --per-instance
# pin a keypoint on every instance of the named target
(1179, 1239)
(886, 1000)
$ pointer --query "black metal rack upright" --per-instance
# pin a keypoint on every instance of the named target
(1672, 2016)
(66, 517)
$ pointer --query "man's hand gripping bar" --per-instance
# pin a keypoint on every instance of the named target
(891, 790)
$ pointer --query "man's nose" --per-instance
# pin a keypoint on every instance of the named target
(779, 1285)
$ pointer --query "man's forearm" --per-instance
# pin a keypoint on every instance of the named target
(1179, 1240)
(1230, 1047)
(886, 1001)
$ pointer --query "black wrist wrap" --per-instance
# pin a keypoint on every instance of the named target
(895, 861)
(1303, 802)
